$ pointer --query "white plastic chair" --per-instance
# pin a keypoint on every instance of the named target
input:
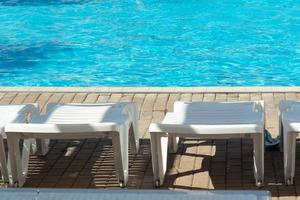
(289, 128)
(79, 121)
(208, 120)
(12, 114)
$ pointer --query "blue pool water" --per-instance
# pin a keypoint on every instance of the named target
(149, 42)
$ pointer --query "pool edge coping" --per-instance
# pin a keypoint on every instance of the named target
(152, 89)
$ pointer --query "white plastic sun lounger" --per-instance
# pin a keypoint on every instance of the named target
(289, 128)
(79, 121)
(12, 114)
(208, 120)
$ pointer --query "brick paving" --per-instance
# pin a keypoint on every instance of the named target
(198, 164)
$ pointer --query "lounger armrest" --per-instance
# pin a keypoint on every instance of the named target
(61, 128)
(260, 106)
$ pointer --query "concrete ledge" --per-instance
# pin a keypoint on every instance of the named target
(151, 89)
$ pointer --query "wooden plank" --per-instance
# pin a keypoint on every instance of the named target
(171, 100)
(244, 97)
(186, 97)
(31, 98)
(91, 98)
(144, 127)
(127, 98)
(255, 96)
(201, 177)
(148, 105)
(139, 99)
(19, 98)
(209, 97)
(158, 116)
(42, 100)
(8, 98)
(115, 97)
(221, 97)
(161, 102)
(197, 96)
(2, 94)
(268, 99)
(103, 98)
(67, 98)
(79, 97)
(278, 97)
(147, 114)
(218, 164)
(232, 96)
(187, 165)
(55, 98)
(271, 113)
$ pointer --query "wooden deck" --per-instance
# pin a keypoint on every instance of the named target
(198, 164)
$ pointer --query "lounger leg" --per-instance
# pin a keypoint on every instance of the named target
(27, 147)
(120, 145)
(280, 134)
(258, 157)
(134, 130)
(134, 138)
(159, 151)
(3, 162)
(289, 149)
(42, 146)
(173, 143)
(15, 160)
(12, 159)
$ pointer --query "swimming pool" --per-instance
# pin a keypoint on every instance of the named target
(149, 43)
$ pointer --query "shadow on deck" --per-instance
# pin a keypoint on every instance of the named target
(198, 165)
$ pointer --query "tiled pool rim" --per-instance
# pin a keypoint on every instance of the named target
(151, 89)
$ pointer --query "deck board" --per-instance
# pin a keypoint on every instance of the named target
(198, 164)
